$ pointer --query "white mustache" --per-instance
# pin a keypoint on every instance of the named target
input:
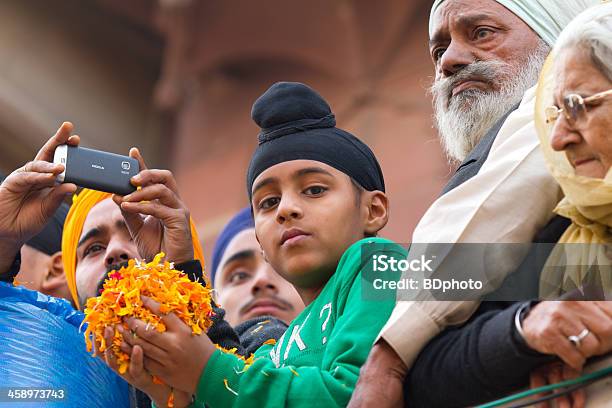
(483, 71)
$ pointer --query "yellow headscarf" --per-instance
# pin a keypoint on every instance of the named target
(73, 228)
(587, 202)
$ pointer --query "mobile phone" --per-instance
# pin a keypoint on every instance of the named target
(96, 170)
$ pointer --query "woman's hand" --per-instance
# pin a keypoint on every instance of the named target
(550, 324)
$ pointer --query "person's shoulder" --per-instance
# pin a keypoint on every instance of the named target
(362, 251)
(373, 245)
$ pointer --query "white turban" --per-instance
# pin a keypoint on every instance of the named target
(546, 17)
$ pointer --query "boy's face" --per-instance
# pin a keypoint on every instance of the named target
(306, 215)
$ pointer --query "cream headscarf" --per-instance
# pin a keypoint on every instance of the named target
(587, 202)
(546, 17)
(73, 228)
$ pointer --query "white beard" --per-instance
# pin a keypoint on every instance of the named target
(464, 119)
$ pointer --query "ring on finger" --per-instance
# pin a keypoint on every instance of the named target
(577, 340)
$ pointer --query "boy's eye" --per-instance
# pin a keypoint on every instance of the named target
(315, 190)
(92, 249)
(238, 277)
(268, 203)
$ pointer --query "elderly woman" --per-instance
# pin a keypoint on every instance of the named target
(574, 120)
(574, 123)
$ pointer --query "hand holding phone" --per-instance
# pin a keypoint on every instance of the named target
(156, 216)
(29, 196)
(96, 170)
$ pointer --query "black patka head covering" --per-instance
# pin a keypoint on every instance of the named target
(297, 124)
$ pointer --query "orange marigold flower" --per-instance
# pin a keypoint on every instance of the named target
(121, 299)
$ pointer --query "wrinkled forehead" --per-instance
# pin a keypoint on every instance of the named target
(575, 72)
(462, 13)
(105, 213)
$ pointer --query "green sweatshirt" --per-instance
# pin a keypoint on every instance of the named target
(317, 360)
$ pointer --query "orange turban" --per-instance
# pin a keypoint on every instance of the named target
(73, 228)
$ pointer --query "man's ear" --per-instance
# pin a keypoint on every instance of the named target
(377, 211)
(54, 281)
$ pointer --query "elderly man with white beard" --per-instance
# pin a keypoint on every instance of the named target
(487, 55)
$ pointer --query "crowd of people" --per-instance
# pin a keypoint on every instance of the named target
(521, 95)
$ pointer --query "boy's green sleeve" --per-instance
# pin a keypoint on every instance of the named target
(225, 383)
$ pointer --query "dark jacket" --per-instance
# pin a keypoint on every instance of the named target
(254, 332)
(483, 359)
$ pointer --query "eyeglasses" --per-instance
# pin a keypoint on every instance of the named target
(574, 107)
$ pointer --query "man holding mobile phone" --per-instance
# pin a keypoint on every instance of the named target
(101, 233)
(28, 199)
(152, 220)
(113, 230)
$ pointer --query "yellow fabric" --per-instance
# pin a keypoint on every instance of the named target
(587, 202)
(73, 228)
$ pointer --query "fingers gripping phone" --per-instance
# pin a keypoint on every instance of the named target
(96, 170)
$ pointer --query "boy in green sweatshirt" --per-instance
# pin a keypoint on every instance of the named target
(318, 200)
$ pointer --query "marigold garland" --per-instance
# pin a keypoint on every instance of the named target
(121, 299)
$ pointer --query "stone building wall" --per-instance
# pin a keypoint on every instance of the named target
(178, 78)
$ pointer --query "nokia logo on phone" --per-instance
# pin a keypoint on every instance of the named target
(96, 166)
